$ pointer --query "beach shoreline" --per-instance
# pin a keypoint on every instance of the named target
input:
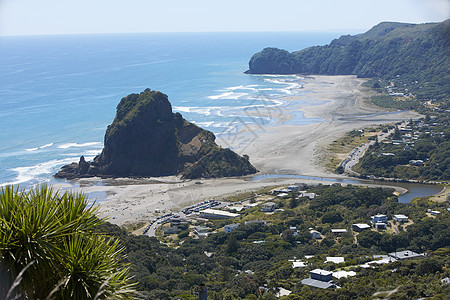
(283, 148)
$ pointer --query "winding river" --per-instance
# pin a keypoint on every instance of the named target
(414, 190)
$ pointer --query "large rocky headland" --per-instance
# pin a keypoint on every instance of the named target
(146, 139)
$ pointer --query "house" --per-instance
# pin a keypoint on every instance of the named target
(269, 206)
(250, 205)
(401, 218)
(293, 188)
(231, 227)
(360, 227)
(321, 275)
(298, 264)
(259, 222)
(306, 194)
(171, 230)
(318, 283)
(315, 234)
(282, 292)
(343, 274)
(217, 214)
(380, 260)
(294, 230)
(379, 219)
(201, 231)
(402, 255)
(380, 226)
(417, 162)
(281, 191)
(338, 231)
(281, 195)
(435, 212)
(336, 260)
(236, 208)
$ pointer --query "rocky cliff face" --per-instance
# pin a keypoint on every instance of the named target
(146, 139)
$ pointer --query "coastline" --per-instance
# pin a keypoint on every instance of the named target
(282, 148)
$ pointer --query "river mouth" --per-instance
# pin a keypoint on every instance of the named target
(414, 190)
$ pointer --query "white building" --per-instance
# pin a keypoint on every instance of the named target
(217, 214)
(338, 231)
(400, 218)
(335, 259)
(360, 227)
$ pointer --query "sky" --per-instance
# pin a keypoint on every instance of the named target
(36, 17)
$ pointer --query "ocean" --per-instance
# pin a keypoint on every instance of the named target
(59, 93)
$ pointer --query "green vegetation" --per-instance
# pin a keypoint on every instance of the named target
(414, 56)
(51, 246)
(340, 149)
(426, 141)
(251, 262)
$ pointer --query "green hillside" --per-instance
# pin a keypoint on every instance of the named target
(415, 55)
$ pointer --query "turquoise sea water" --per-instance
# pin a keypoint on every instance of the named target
(58, 93)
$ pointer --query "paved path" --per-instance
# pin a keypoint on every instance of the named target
(359, 151)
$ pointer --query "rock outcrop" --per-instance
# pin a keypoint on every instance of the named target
(146, 139)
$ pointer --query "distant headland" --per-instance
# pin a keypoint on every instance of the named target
(146, 139)
(417, 54)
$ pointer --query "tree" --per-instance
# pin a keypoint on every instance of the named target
(295, 201)
(232, 245)
(332, 217)
(369, 238)
(397, 134)
(53, 237)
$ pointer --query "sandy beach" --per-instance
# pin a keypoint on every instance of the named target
(282, 147)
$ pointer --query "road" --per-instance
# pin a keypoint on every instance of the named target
(359, 151)
(182, 214)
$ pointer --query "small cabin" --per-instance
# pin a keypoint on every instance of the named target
(269, 206)
(401, 218)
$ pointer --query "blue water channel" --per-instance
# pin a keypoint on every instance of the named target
(415, 190)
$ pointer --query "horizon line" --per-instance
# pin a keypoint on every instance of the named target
(347, 31)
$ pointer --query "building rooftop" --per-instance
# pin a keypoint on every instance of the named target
(405, 254)
(219, 213)
(321, 272)
(338, 230)
(361, 225)
(400, 216)
(317, 283)
(298, 264)
(345, 274)
(336, 260)
(232, 225)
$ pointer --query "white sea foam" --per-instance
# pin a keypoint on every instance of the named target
(46, 146)
(182, 108)
(204, 124)
(251, 87)
(221, 96)
(41, 147)
(90, 154)
(25, 174)
(76, 145)
(228, 95)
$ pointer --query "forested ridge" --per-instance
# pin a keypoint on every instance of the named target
(415, 55)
